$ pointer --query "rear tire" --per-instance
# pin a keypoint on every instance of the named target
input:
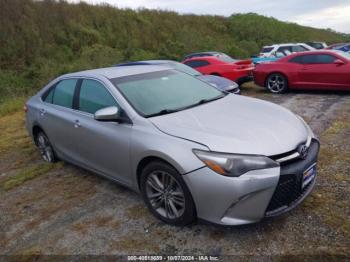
(46, 150)
(166, 194)
(276, 83)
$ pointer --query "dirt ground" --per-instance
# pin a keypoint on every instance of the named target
(62, 209)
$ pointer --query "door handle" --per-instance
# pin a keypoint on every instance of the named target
(42, 112)
(77, 124)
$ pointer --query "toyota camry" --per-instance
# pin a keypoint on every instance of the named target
(190, 150)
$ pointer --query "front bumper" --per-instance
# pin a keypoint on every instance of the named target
(251, 197)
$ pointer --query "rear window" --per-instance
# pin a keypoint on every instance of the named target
(197, 63)
(226, 58)
(266, 49)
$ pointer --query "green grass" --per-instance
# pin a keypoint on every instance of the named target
(12, 105)
(27, 174)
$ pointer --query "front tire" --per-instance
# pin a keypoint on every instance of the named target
(46, 150)
(277, 83)
(166, 194)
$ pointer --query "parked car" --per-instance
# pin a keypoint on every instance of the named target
(317, 45)
(281, 50)
(188, 148)
(221, 83)
(335, 46)
(239, 71)
(328, 70)
(258, 60)
(208, 53)
(344, 48)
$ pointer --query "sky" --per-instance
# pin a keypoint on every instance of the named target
(334, 14)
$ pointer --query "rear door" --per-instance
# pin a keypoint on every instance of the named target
(56, 117)
(321, 71)
(103, 146)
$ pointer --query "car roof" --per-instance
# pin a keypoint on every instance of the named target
(147, 62)
(114, 72)
(313, 52)
(208, 53)
(285, 44)
(203, 58)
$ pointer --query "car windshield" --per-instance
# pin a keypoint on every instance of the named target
(226, 58)
(344, 54)
(164, 92)
(266, 49)
(184, 68)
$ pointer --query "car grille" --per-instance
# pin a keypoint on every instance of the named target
(289, 192)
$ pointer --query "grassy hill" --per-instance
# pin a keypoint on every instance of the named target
(42, 39)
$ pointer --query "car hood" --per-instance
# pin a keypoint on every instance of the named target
(237, 124)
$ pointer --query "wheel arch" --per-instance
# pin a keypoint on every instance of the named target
(35, 131)
(147, 160)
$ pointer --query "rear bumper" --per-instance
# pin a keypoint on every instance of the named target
(244, 79)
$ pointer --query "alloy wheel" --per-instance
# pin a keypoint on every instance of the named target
(45, 148)
(276, 83)
(165, 195)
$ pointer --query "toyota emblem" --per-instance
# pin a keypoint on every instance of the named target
(303, 150)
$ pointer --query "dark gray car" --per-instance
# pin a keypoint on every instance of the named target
(219, 82)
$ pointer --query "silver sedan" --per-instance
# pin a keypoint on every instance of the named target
(191, 150)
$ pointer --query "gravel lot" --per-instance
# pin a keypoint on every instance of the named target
(62, 209)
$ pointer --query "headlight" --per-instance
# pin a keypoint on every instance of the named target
(232, 164)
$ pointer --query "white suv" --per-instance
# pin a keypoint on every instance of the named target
(280, 50)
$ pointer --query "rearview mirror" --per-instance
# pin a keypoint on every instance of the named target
(108, 114)
(339, 62)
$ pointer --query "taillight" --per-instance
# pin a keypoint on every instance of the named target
(25, 108)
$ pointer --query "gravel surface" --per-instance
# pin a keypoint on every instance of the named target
(66, 210)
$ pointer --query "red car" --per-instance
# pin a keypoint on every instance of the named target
(324, 69)
(239, 71)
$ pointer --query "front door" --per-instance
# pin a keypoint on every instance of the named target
(102, 146)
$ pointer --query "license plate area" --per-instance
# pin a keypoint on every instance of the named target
(309, 175)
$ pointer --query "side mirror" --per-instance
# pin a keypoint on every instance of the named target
(339, 62)
(108, 114)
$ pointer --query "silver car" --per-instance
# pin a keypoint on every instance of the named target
(191, 150)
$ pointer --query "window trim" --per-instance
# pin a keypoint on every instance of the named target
(76, 96)
(76, 109)
(53, 86)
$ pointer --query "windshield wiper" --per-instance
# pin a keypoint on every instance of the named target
(163, 112)
(203, 101)
(200, 102)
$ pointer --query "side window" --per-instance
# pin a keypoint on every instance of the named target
(286, 50)
(63, 92)
(318, 59)
(49, 96)
(197, 63)
(296, 59)
(94, 96)
(326, 59)
(310, 59)
(298, 48)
